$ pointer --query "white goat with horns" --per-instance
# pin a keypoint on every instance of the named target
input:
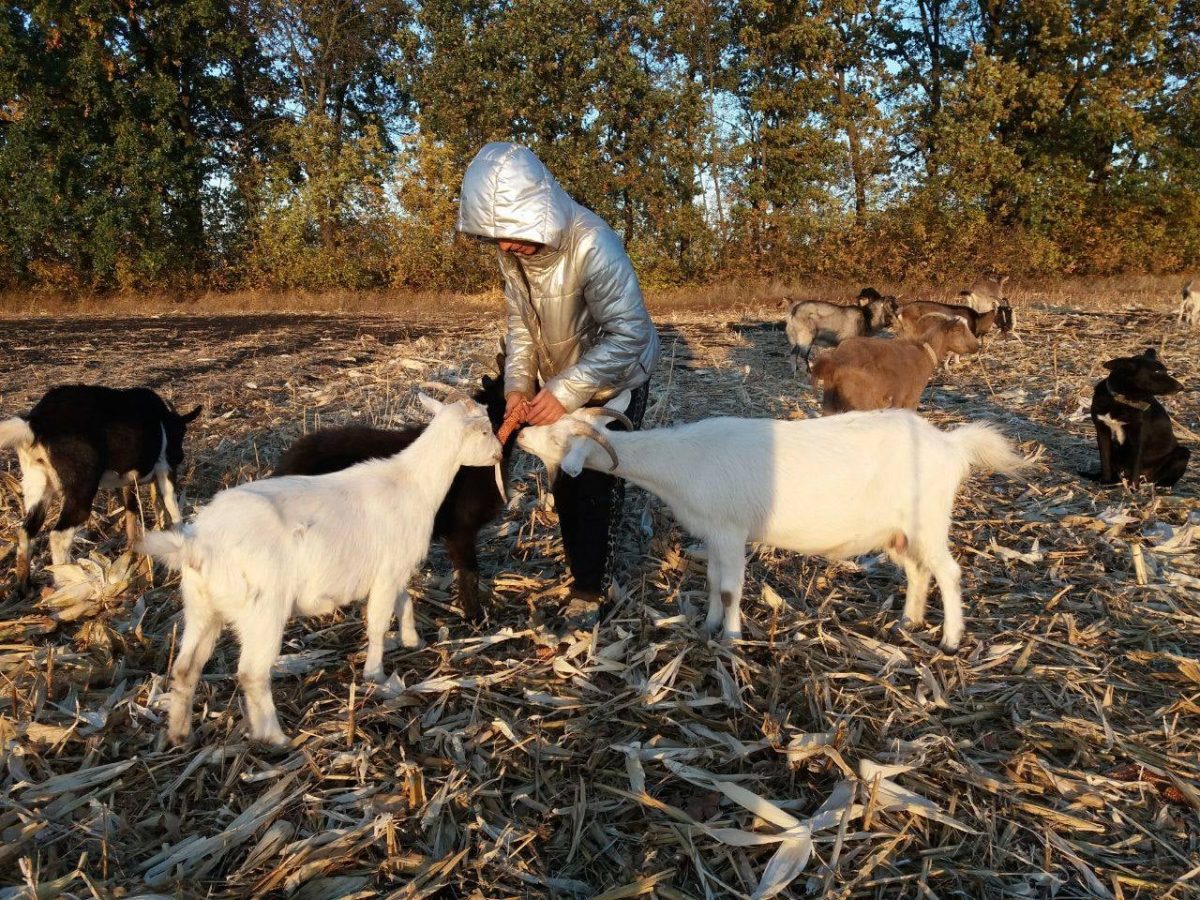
(837, 487)
(262, 552)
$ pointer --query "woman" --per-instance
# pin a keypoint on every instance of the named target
(578, 331)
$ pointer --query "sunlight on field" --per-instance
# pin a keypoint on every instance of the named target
(1058, 752)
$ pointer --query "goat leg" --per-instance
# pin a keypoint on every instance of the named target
(22, 570)
(409, 639)
(461, 548)
(129, 498)
(382, 601)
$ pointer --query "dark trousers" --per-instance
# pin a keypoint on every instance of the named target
(589, 513)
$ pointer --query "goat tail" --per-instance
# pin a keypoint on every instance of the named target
(168, 547)
(985, 447)
(15, 433)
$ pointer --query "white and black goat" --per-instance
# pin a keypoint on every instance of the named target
(263, 552)
(836, 487)
(80, 438)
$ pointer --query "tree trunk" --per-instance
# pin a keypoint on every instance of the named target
(854, 140)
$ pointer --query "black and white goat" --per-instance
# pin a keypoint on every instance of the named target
(80, 438)
(474, 499)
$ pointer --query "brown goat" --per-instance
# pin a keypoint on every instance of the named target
(909, 316)
(878, 373)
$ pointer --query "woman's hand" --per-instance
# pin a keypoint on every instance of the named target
(545, 409)
(513, 402)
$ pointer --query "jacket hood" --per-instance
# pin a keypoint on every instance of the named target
(509, 194)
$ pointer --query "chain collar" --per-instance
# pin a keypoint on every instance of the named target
(1123, 400)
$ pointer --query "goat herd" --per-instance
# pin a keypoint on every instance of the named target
(351, 511)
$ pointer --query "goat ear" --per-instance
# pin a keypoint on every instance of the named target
(430, 403)
(572, 463)
(620, 403)
(192, 415)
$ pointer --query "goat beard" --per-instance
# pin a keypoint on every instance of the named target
(500, 482)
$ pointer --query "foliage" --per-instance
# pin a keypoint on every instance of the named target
(320, 143)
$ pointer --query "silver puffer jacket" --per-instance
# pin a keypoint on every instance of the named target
(576, 318)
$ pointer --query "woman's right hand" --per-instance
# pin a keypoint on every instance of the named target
(514, 401)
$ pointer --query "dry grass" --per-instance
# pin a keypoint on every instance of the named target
(729, 297)
(1056, 755)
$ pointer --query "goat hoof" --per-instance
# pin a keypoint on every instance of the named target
(274, 740)
(950, 649)
(411, 643)
(374, 675)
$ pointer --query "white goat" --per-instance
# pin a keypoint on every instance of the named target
(262, 552)
(1189, 308)
(836, 487)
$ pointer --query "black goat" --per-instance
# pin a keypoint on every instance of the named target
(80, 438)
(1133, 430)
(472, 501)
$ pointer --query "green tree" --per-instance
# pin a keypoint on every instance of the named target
(324, 214)
(106, 145)
(588, 87)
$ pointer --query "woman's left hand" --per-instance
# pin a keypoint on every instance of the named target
(544, 409)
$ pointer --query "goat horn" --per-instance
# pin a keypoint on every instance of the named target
(452, 394)
(500, 483)
(603, 412)
(583, 429)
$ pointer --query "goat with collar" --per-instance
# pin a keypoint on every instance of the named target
(1133, 430)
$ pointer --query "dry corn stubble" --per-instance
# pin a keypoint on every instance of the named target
(1056, 755)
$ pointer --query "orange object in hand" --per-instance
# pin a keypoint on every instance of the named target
(510, 424)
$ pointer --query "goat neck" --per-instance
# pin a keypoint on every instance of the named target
(935, 339)
(428, 465)
(645, 458)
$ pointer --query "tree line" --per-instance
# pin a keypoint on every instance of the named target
(320, 143)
